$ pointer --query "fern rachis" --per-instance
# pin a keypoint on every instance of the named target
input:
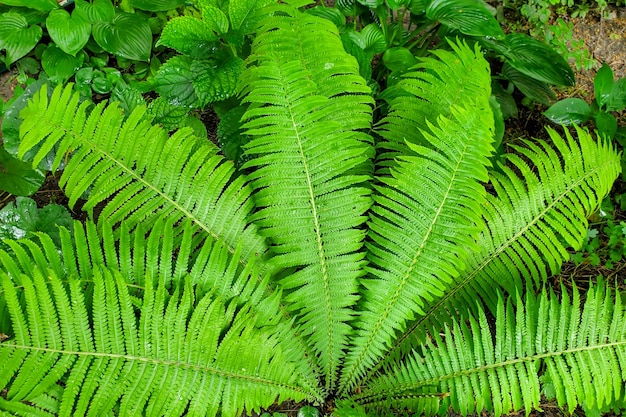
(334, 259)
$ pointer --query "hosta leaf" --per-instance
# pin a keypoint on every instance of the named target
(603, 84)
(156, 5)
(569, 111)
(398, 59)
(128, 36)
(215, 18)
(215, 81)
(58, 65)
(530, 87)
(16, 37)
(372, 4)
(534, 58)
(43, 5)
(373, 39)
(18, 177)
(244, 14)
(174, 81)
(97, 11)
(467, 16)
(70, 33)
(188, 35)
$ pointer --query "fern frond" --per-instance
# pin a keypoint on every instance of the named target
(541, 342)
(425, 220)
(137, 171)
(538, 212)
(310, 163)
(177, 354)
(432, 90)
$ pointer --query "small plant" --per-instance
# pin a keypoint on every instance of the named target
(560, 36)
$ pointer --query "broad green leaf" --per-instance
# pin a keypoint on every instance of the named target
(216, 81)
(156, 5)
(70, 33)
(617, 98)
(530, 87)
(569, 111)
(127, 96)
(21, 218)
(58, 65)
(199, 129)
(418, 7)
(43, 5)
(373, 39)
(128, 36)
(18, 177)
(372, 4)
(352, 43)
(188, 35)
(606, 124)
(174, 81)
(534, 58)
(467, 16)
(230, 135)
(244, 14)
(215, 18)
(329, 13)
(398, 59)
(170, 115)
(16, 37)
(95, 12)
(603, 84)
(308, 411)
(508, 107)
(397, 4)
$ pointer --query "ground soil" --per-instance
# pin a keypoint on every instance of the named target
(604, 36)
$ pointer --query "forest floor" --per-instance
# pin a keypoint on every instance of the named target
(604, 37)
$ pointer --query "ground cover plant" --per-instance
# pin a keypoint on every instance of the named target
(371, 268)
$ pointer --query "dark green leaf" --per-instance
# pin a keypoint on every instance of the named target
(16, 37)
(508, 107)
(128, 97)
(215, 18)
(352, 45)
(58, 65)
(535, 59)
(372, 4)
(418, 7)
(171, 116)
(606, 124)
(498, 118)
(397, 4)
(308, 411)
(398, 59)
(603, 85)
(101, 85)
(128, 36)
(467, 16)
(156, 5)
(17, 177)
(43, 5)
(28, 65)
(175, 80)
(199, 129)
(617, 98)
(534, 89)
(188, 35)
(244, 14)
(230, 136)
(70, 33)
(215, 81)
(373, 39)
(330, 13)
(569, 111)
(95, 12)
(20, 219)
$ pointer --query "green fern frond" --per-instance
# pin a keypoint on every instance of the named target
(137, 171)
(309, 166)
(538, 212)
(431, 91)
(111, 345)
(544, 341)
(430, 202)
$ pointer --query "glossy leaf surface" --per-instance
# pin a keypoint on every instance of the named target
(69, 32)
(128, 36)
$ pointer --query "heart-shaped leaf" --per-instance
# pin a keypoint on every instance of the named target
(188, 35)
(18, 177)
(469, 17)
(16, 37)
(128, 36)
(58, 65)
(43, 5)
(156, 5)
(95, 12)
(70, 33)
(569, 111)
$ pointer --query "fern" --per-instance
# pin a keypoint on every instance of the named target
(366, 265)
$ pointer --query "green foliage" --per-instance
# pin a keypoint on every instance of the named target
(560, 36)
(344, 258)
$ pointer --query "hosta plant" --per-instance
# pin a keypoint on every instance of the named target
(390, 270)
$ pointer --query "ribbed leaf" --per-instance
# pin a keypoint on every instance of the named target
(424, 223)
(531, 222)
(16, 37)
(310, 162)
(140, 179)
(70, 33)
(156, 5)
(127, 36)
(544, 341)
